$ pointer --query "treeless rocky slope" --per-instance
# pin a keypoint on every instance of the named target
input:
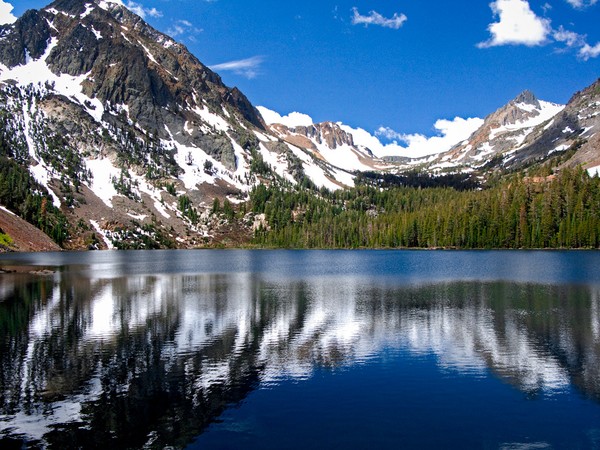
(25, 237)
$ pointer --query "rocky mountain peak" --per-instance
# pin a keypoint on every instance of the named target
(503, 132)
(27, 37)
(528, 98)
(125, 62)
(524, 107)
(326, 132)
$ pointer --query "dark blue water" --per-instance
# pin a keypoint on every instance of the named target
(300, 349)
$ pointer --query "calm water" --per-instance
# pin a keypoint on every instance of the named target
(301, 349)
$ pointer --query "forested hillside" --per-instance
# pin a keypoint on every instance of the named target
(21, 194)
(540, 210)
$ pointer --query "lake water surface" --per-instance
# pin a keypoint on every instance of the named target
(301, 349)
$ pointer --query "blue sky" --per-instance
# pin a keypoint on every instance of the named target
(379, 63)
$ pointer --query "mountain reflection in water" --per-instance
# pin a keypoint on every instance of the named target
(153, 360)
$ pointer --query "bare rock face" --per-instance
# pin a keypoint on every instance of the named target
(524, 106)
(326, 132)
(527, 97)
(129, 65)
(28, 37)
(126, 61)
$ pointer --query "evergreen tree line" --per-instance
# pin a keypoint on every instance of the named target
(21, 194)
(458, 181)
(558, 211)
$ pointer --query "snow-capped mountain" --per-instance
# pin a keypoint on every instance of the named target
(130, 133)
(503, 133)
(327, 141)
(574, 133)
(528, 131)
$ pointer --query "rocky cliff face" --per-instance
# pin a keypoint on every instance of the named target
(327, 141)
(575, 132)
(132, 136)
(327, 132)
(127, 66)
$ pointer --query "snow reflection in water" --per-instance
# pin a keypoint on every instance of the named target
(116, 360)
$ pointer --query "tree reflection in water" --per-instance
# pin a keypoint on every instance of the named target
(152, 360)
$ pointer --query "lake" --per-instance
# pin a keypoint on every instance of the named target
(232, 349)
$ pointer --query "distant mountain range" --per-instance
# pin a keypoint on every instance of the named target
(139, 144)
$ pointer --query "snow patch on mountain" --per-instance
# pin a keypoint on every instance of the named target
(344, 157)
(213, 120)
(105, 4)
(594, 171)
(37, 73)
(332, 180)
(546, 112)
(103, 234)
(104, 171)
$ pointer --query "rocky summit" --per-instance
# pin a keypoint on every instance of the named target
(502, 134)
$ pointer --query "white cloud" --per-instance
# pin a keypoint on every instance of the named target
(5, 13)
(249, 67)
(374, 18)
(293, 119)
(570, 38)
(366, 139)
(450, 133)
(388, 133)
(141, 11)
(517, 25)
(574, 40)
(581, 4)
(183, 27)
(587, 51)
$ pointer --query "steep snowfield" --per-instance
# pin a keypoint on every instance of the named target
(37, 73)
(546, 112)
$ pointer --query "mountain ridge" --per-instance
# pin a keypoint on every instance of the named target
(105, 110)
(139, 144)
(502, 132)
